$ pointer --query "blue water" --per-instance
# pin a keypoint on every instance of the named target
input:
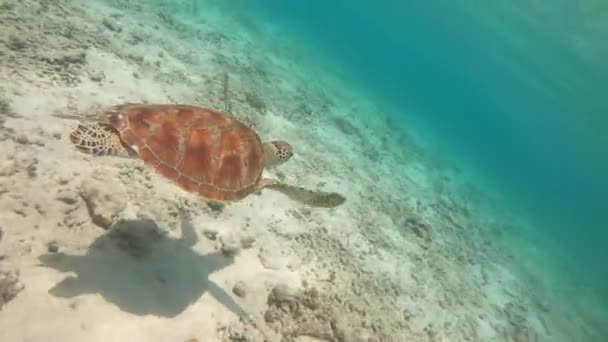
(508, 91)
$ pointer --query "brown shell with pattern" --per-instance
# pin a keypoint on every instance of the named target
(206, 152)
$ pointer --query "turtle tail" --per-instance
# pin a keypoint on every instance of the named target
(98, 139)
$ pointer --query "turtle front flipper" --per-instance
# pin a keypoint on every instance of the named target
(303, 195)
(99, 139)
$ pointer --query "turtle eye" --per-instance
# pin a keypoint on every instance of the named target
(283, 150)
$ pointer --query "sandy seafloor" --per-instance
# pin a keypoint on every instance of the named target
(103, 249)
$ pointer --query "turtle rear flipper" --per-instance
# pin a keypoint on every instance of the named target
(308, 197)
(99, 139)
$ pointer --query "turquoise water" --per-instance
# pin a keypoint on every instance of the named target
(515, 88)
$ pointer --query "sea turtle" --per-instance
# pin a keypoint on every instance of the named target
(204, 151)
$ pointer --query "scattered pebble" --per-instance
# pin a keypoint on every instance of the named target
(247, 241)
(215, 206)
(421, 229)
(67, 196)
(52, 247)
(229, 248)
(111, 25)
(240, 289)
(32, 169)
(16, 43)
(282, 297)
(280, 293)
(255, 101)
(97, 76)
(22, 138)
(271, 259)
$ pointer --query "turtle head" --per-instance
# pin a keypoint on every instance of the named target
(276, 152)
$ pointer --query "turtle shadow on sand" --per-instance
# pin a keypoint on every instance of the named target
(142, 271)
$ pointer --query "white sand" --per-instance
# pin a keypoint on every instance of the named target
(413, 255)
